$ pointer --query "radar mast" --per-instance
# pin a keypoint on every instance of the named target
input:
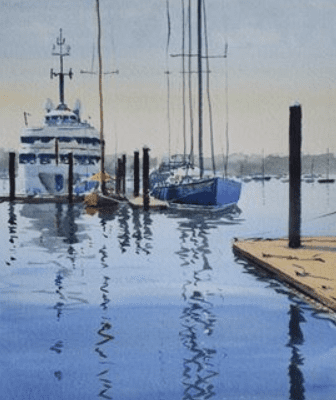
(60, 41)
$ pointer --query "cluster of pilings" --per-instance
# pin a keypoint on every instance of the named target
(120, 184)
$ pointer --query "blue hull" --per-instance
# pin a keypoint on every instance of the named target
(208, 192)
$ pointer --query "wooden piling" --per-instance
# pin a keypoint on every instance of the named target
(145, 178)
(295, 141)
(70, 178)
(56, 151)
(118, 176)
(136, 174)
(124, 174)
(11, 176)
(102, 161)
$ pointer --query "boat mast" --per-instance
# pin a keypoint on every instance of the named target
(183, 83)
(60, 42)
(191, 157)
(100, 69)
(208, 89)
(263, 164)
(167, 72)
(328, 163)
(226, 161)
(199, 63)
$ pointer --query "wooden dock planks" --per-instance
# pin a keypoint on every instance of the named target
(154, 204)
(311, 269)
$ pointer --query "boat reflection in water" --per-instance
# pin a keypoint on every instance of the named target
(134, 227)
(57, 224)
(127, 220)
(202, 355)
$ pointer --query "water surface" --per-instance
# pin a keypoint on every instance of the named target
(132, 305)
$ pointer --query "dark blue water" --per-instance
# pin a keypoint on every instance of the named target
(134, 305)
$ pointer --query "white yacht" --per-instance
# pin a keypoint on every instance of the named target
(44, 151)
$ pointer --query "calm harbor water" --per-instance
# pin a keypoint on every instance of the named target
(134, 305)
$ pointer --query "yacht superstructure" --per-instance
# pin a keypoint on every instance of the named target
(44, 151)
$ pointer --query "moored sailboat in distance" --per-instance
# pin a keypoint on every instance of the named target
(327, 179)
(261, 176)
(179, 181)
(310, 178)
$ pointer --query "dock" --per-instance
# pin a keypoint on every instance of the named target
(42, 199)
(154, 204)
(100, 200)
(310, 269)
(91, 200)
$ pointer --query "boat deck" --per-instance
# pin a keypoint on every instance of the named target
(310, 269)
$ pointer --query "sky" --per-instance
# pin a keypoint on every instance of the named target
(279, 52)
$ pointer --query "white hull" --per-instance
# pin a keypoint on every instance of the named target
(51, 179)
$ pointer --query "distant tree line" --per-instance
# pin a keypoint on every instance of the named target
(239, 164)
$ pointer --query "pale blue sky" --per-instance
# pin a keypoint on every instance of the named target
(279, 52)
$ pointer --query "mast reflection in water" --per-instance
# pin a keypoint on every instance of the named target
(105, 327)
(200, 365)
(12, 227)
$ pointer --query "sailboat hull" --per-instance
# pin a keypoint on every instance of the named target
(326, 180)
(208, 192)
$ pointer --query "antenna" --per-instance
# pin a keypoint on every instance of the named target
(60, 41)
(25, 115)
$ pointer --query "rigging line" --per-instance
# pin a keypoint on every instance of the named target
(102, 141)
(323, 216)
(208, 89)
(168, 116)
(183, 81)
(93, 57)
(114, 83)
(168, 81)
(226, 162)
(190, 88)
(169, 27)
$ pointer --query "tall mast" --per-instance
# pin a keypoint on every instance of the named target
(62, 53)
(263, 164)
(328, 163)
(190, 87)
(199, 63)
(208, 89)
(183, 83)
(100, 69)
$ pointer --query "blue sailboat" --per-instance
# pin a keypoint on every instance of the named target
(180, 182)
